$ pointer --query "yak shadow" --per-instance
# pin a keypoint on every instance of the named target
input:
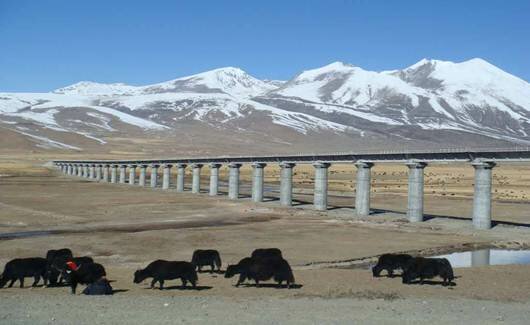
(215, 272)
(197, 288)
(180, 287)
(432, 283)
(271, 285)
(57, 285)
(395, 275)
(114, 291)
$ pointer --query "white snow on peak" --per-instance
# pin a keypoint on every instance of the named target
(229, 80)
(341, 83)
(332, 68)
(89, 88)
(423, 62)
(477, 82)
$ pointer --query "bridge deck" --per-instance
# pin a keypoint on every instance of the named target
(494, 154)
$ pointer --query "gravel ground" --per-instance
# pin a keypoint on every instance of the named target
(37, 308)
(124, 228)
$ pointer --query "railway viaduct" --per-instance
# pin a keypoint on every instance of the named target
(483, 161)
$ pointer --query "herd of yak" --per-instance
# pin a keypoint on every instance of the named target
(61, 267)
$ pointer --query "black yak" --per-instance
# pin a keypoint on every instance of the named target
(54, 276)
(83, 274)
(58, 267)
(202, 257)
(266, 253)
(262, 269)
(240, 268)
(21, 268)
(53, 253)
(390, 262)
(161, 270)
(428, 268)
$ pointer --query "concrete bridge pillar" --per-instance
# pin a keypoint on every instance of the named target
(258, 172)
(214, 179)
(482, 196)
(79, 170)
(196, 179)
(106, 173)
(113, 174)
(362, 187)
(154, 175)
(233, 181)
(166, 176)
(132, 174)
(415, 188)
(92, 171)
(480, 257)
(320, 200)
(60, 167)
(181, 173)
(143, 172)
(86, 171)
(69, 169)
(123, 169)
(98, 172)
(286, 183)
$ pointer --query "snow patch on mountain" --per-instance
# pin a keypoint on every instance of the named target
(229, 80)
(47, 143)
(42, 108)
(89, 88)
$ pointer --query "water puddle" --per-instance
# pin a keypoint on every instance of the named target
(484, 257)
(25, 234)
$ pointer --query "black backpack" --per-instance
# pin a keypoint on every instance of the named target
(100, 287)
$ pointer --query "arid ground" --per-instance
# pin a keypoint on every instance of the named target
(126, 227)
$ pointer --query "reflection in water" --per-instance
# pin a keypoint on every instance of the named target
(488, 257)
(480, 257)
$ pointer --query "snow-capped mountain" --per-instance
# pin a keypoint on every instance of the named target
(431, 101)
(471, 96)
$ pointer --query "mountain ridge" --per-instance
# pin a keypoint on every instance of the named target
(426, 101)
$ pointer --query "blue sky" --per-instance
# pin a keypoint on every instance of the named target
(48, 44)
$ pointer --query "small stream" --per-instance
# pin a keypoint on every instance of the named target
(484, 257)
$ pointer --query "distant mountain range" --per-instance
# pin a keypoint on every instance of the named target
(335, 107)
